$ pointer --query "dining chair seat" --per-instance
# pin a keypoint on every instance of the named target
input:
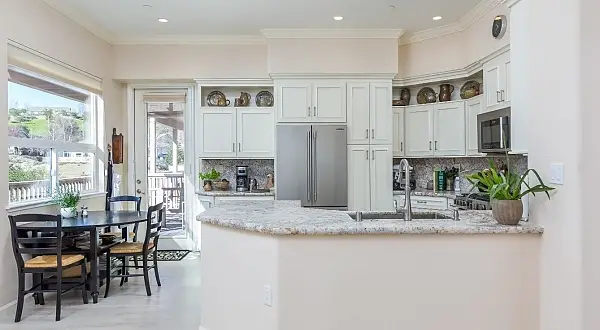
(130, 247)
(131, 235)
(76, 271)
(50, 261)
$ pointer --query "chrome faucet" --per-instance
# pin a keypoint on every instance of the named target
(404, 166)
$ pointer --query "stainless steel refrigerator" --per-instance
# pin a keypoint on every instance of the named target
(312, 165)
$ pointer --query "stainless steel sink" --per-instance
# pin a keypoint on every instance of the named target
(400, 216)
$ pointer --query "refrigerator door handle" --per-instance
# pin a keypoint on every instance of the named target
(314, 161)
(308, 165)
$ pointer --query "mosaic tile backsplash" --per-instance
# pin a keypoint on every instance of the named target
(424, 167)
(257, 169)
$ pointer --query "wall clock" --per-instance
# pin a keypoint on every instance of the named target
(499, 26)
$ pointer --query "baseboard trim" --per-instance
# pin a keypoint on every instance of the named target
(14, 302)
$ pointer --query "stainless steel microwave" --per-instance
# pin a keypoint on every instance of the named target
(493, 131)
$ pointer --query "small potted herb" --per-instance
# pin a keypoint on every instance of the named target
(505, 189)
(67, 200)
(208, 178)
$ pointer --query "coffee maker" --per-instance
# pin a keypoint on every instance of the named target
(399, 179)
(242, 183)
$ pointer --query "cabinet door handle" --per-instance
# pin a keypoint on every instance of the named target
(498, 96)
(502, 96)
(435, 145)
(372, 154)
(315, 111)
(372, 133)
(367, 133)
(422, 202)
(308, 111)
(401, 146)
(233, 147)
(240, 146)
(429, 145)
(367, 153)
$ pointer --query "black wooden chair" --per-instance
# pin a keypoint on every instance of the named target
(124, 199)
(42, 239)
(134, 249)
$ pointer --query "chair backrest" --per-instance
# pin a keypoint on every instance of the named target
(154, 224)
(42, 236)
(118, 199)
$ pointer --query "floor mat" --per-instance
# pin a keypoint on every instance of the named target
(168, 255)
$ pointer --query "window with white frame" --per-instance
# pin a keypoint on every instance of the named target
(52, 137)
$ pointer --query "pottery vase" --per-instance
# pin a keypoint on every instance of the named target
(507, 212)
(68, 212)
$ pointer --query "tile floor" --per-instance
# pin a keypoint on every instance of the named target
(174, 306)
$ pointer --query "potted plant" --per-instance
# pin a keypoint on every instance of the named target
(208, 178)
(505, 189)
(67, 201)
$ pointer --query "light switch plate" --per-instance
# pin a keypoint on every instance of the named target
(557, 173)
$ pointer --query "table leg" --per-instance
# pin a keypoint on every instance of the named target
(94, 280)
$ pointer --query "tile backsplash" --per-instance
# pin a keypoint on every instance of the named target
(257, 169)
(424, 167)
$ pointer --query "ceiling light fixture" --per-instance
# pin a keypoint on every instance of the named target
(338, 18)
(163, 20)
(437, 18)
(147, 6)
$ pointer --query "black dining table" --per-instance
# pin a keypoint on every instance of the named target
(91, 223)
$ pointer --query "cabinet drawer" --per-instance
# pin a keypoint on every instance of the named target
(424, 202)
(229, 199)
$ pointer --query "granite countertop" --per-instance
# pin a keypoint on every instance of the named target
(220, 193)
(430, 193)
(288, 218)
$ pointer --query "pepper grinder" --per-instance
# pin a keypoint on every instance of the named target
(253, 184)
(84, 212)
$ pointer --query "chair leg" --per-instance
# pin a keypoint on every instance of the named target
(108, 270)
(146, 277)
(36, 281)
(156, 267)
(135, 262)
(41, 294)
(21, 297)
(58, 295)
(123, 270)
(84, 294)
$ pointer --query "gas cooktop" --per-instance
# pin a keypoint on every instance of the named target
(475, 201)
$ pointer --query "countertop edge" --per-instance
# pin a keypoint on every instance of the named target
(233, 193)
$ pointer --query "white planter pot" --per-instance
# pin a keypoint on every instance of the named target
(507, 212)
(68, 212)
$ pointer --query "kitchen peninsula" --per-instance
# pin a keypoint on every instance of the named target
(275, 265)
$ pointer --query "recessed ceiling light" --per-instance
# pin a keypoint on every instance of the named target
(147, 6)
(338, 18)
(437, 18)
(163, 20)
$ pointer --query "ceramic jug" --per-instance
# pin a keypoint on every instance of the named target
(446, 92)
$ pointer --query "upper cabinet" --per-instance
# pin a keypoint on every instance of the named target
(370, 113)
(398, 128)
(319, 100)
(235, 133)
(496, 82)
(435, 129)
(473, 107)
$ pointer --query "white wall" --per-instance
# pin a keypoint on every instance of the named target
(452, 51)
(38, 26)
(333, 56)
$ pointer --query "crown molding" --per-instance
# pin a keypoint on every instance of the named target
(193, 40)
(77, 17)
(510, 3)
(332, 33)
(463, 23)
(333, 75)
(216, 82)
(460, 73)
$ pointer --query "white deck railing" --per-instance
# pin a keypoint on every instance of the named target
(166, 188)
(40, 189)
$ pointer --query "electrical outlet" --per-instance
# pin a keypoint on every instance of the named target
(557, 173)
(267, 296)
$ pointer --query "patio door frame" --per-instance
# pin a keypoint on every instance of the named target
(166, 242)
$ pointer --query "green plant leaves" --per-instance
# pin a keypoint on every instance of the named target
(211, 175)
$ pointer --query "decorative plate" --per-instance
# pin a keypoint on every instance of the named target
(217, 99)
(264, 99)
(469, 89)
(426, 95)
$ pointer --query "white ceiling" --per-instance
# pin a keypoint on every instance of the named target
(128, 20)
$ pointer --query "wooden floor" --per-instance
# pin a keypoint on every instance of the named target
(174, 306)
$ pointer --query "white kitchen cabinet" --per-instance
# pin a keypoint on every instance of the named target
(305, 100)
(369, 184)
(381, 186)
(449, 129)
(359, 191)
(473, 107)
(255, 133)
(419, 130)
(424, 202)
(398, 129)
(496, 82)
(235, 133)
(216, 133)
(370, 113)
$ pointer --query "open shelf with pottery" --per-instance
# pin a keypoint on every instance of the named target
(452, 87)
(236, 96)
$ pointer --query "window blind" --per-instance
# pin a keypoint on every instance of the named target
(31, 60)
(32, 80)
(175, 97)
